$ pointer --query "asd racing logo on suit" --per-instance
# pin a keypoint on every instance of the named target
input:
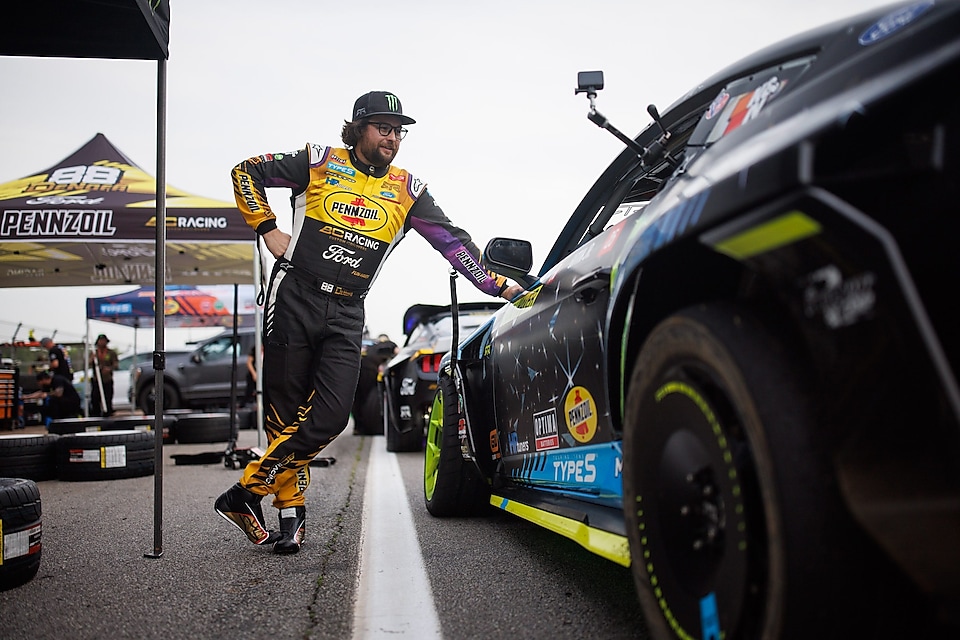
(354, 212)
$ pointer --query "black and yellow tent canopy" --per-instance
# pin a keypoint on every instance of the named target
(90, 220)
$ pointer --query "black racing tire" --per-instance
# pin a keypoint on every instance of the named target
(452, 486)
(247, 418)
(736, 526)
(63, 426)
(368, 420)
(146, 397)
(30, 456)
(105, 455)
(407, 441)
(141, 423)
(21, 528)
(203, 428)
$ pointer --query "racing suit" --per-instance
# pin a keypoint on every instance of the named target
(347, 218)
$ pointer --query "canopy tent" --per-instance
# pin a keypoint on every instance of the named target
(183, 306)
(91, 218)
(126, 29)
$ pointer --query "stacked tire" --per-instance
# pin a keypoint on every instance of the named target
(203, 428)
(20, 531)
(31, 456)
(65, 426)
(105, 455)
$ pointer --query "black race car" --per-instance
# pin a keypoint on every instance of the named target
(409, 379)
(736, 371)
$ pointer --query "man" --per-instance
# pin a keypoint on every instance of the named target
(61, 399)
(351, 207)
(104, 361)
(59, 362)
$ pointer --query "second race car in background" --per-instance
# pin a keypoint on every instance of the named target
(409, 379)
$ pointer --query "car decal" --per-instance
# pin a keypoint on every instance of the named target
(771, 234)
(893, 22)
(588, 469)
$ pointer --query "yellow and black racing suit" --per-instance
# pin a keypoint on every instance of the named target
(347, 217)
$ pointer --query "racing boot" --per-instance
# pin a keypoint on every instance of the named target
(292, 521)
(241, 508)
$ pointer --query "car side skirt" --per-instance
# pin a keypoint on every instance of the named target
(570, 521)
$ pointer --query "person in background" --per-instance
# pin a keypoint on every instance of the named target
(352, 206)
(104, 362)
(60, 398)
(59, 362)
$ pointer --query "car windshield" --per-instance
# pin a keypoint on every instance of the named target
(443, 327)
(218, 348)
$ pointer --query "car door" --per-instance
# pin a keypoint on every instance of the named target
(547, 359)
(207, 377)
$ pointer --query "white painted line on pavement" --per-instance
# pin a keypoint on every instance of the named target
(394, 597)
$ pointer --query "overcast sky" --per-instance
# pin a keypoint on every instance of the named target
(501, 140)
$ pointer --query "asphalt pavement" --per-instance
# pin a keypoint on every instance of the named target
(100, 576)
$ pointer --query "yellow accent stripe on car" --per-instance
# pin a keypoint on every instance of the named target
(603, 543)
(770, 235)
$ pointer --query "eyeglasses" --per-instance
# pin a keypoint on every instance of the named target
(385, 129)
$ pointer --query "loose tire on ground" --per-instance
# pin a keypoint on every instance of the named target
(107, 455)
(31, 456)
(452, 486)
(63, 426)
(20, 531)
(203, 428)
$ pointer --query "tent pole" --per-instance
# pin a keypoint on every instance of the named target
(86, 360)
(160, 281)
(258, 343)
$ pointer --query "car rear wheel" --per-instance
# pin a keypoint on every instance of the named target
(452, 486)
(736, 527)
(147, 398)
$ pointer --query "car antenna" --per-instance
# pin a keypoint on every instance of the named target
(656, 151)
(589, 82)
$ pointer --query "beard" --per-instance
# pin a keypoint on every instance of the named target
(377, 153)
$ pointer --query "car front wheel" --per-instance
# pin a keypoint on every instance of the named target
(452, 486)
(736, 526)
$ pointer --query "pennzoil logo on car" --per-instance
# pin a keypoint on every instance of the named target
(580, 411)
(355, 212)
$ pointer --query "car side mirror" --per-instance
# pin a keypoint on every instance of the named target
(510, 257)
(196, 358)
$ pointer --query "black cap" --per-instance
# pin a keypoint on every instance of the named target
(102, 336)
(378, 103)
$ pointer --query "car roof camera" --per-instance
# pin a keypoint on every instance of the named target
(590, 82)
